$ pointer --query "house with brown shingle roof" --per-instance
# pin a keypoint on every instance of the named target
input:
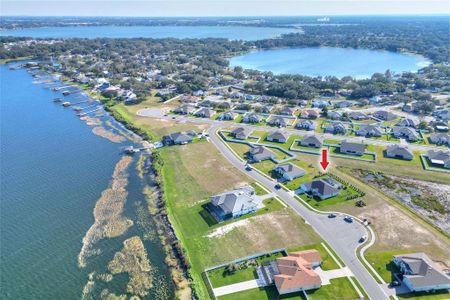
(294, 273)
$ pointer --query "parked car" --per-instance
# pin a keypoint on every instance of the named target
(277, 186)
(363, 238)
(348, 219)
(248, 168)
(394, 283)
(330, 216)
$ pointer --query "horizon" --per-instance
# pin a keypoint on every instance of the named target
(221, 8)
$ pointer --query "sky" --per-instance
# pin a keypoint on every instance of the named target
(141, 8)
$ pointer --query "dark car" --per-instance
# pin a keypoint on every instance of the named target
(394, 283)
(348, 219)
(331, 216)
(277, 186)
(248, 168)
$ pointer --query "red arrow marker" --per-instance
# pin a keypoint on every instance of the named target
(324, 163)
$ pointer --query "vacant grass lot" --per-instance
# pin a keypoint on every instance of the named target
(193, 172)
(266, 293)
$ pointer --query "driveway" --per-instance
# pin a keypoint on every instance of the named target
(326, 276)
(238, 287)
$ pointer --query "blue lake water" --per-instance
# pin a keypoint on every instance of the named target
(228, 32)
(339, 62)
(53, 170)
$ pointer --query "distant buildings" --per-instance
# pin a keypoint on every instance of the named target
(369, 131)
(309, 114)
(385, 115)
(228, 116)
(357, 115)
(407, 133)
(306, 125)
(204, 113)
(420, 274)
(184, 109)
(278, 121)
(251, 118)
(408, 122)
(336, 128)
(440, 139)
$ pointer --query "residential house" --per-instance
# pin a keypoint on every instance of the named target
(399, 151)
(260, 153)
(287, 111)
(343, 104)
(241, 133)
(289, 171)
(441, 126)
(184, 109)
(295, 272)
(278, 121)
(320, 103)
(204, 113)
(420, 273)
(206, 103)
(334, 115)
(309, 114)
(198, 93)
(311, 141)
(306, 125)
(179, 138)
(228, 115)
(408, 122)
(369, 131)
(440, 139)
(352, 148)
(375, 99)
(251, 118)
(277, 136)
(266, 109)
(384, 115)
(336, 128)
(319, 188)
(407, 133)
(357, 115)
(233, 204)
(440, 158)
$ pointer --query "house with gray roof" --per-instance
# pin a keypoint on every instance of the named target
(260, 153)
(309, 114)
(179, 138)
(420, 273)
(336, 128)
(241, 133)
(278, 121)
(252, 118)
(369, 131)
(399, 151)
(277, 136)
(184, 109)
(352, 148)
(319, 188)
(287, 111)
(306, 125)
(343, 104)
(334, 115)
(440, 158)
(407, 133)
(384, 115)
(204, 113)
(233, 204)
(228, 115)
(440, 139)
(289, 171)
(357, 115)
(266, 109)
(408, 122)
(311, 141)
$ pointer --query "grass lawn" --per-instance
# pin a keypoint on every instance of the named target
(340, 288)
(240, 149)
(343, 196)
(246, 271)
(336, 150)
(382, 262)
(438, 295)
(266, 293)
(259, 190)
(193, 172)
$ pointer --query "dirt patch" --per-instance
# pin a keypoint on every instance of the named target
(132, 259)
(227, 228)
(91, 121)
(109, 221)
(115, 138)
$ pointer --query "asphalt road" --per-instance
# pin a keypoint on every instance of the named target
(343, 237)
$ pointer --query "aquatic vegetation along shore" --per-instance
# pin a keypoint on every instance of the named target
(108, 212)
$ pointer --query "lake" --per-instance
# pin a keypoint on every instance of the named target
(53, 171)
(339, 62)
(228, 32)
